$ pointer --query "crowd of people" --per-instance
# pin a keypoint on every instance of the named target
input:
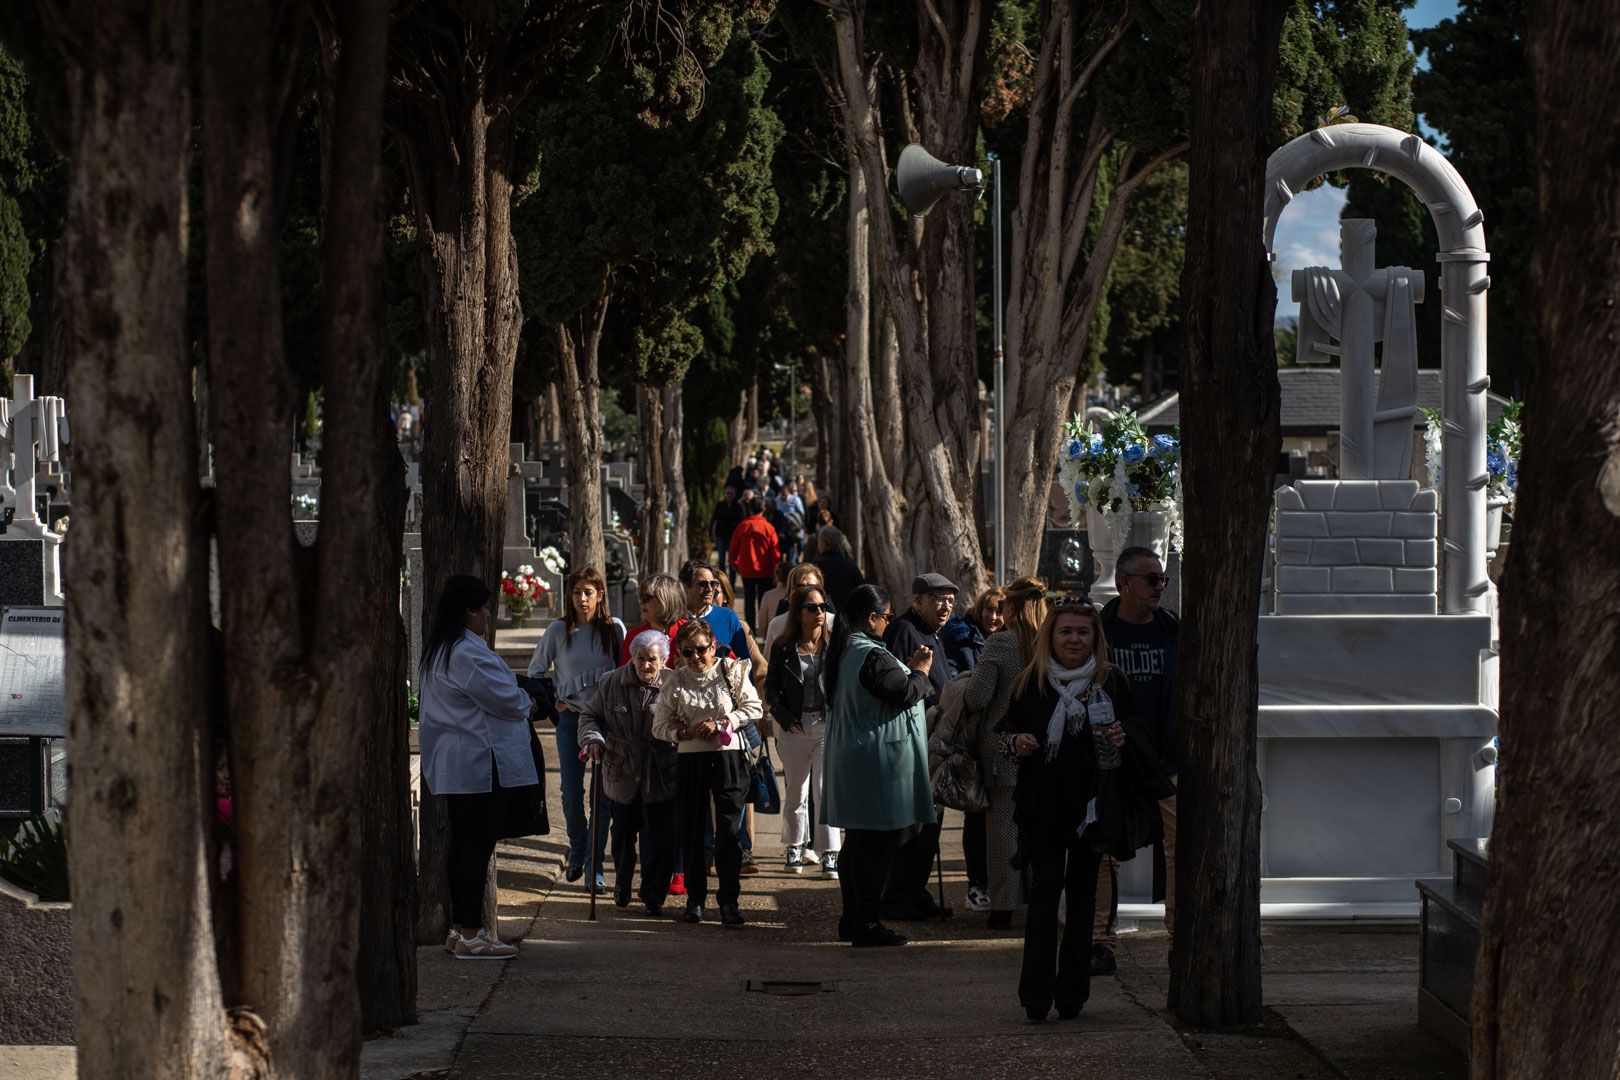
(1048, 721)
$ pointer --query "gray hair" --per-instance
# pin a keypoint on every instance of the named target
(653, 641)
(831, 538)
(1130, 561)
(670, 596)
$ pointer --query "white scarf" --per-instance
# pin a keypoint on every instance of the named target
(1069, 715)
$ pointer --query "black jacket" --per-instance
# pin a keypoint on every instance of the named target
(784, 688)
(1159, 716)
(841, 576)
(1051, 800)
(904, 634)
(725, 519)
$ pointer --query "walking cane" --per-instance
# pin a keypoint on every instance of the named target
(939, 873)
(596, 823)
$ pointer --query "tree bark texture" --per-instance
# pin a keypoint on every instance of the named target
(650, 418)
(674, 405)
(1076, 179)
(1230, 419)
(147, 992)
(578, 344)
(353, 39)
(300, 642)
(1548, 973)
(926, 280)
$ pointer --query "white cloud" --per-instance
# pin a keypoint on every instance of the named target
(1307, 235)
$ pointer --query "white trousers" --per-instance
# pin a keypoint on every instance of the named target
(802, 765)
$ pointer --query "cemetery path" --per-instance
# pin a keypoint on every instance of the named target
(628, 996)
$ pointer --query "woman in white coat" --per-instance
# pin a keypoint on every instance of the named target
(474, 733)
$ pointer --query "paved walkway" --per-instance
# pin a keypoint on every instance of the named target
(628, 997)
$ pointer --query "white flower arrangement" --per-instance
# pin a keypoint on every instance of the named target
(309, 506)
(552, 560)
(1504, 443)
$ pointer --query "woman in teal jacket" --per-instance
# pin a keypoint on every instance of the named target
(877, 787)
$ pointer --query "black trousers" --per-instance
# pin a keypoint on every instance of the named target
(659, 823)
(720, 776)
(1055, 974)
(911, 870)
(475, 828)
(754, 590)
(976, 848)
(863, 869)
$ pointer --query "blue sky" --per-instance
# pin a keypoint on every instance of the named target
(1308, 234)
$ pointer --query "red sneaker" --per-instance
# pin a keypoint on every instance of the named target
(677, 885)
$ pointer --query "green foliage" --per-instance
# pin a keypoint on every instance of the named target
(36, 858)
(1478, 94)
(32, 195)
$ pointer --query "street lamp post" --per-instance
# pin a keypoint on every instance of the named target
(923, 180)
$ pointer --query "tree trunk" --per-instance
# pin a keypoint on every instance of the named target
(458, 150)
(352, 54)
(737, 430)
(578, 344)
(653, 425)
(928, 291)
(147, 992)
(674, 417)
(1230, 419)
(1548, 976)
(300, 641)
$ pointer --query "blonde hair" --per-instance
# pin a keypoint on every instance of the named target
(1040, 659)
(1024, 605)
(796, 576)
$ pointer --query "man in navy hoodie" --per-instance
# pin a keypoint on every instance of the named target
(1143, 643)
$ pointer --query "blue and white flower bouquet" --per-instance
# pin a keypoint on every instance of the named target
(1116, 467)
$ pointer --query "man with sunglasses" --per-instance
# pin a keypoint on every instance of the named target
(703, 598)
(1143, 643)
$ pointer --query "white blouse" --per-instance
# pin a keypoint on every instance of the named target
(472, 712)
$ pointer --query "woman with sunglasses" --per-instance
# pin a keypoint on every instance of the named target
(793, 691)
(663, 607)
(877, 786)
(580, 648)
(702, 707)
(806, 575)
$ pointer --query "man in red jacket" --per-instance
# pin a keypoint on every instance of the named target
(755, 551)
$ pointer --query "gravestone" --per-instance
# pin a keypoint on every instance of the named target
(35, 430)
(32, 709)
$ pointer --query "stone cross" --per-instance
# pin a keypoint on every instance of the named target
(1361, 306)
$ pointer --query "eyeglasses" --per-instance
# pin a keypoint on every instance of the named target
(1158, 581)
(708, 586)
(693, 654)
(814, 609)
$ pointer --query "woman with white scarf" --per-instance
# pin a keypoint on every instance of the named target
(1065, 717)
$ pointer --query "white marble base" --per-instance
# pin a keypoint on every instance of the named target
(1372, 659)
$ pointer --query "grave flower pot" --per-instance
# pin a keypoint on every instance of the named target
(1493, 523)
(519, 622)
(36, 981)
(1109, 534)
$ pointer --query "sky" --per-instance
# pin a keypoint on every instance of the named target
(1308, 234)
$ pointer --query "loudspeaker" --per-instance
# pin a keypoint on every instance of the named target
(923, 179)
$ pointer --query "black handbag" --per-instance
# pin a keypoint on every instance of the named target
(763, 791)
(526, 812)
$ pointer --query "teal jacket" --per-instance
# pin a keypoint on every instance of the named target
(877, 746)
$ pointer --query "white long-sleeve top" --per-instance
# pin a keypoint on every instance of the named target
(724, 694)
(472, 712)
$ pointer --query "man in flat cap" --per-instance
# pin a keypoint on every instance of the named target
(933, 598)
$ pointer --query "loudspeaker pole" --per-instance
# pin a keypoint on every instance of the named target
(1001, 374)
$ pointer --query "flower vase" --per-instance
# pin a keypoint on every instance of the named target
(519, 621)
(1493, 524)
(1150, 529)
(1104, 532)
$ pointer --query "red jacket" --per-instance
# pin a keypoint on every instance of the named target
(755, 549)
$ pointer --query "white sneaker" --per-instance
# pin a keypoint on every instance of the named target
(482, 946)
(978, 899)
(795, 860)
(829, 864)
(811, 858)
(450, 941)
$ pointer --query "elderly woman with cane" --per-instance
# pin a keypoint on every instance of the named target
(637, 770)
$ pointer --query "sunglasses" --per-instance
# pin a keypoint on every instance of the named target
(708, 586)
(647, 598)
(814, 609)
(1158, 581)
(693, 654)
(886, 616)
